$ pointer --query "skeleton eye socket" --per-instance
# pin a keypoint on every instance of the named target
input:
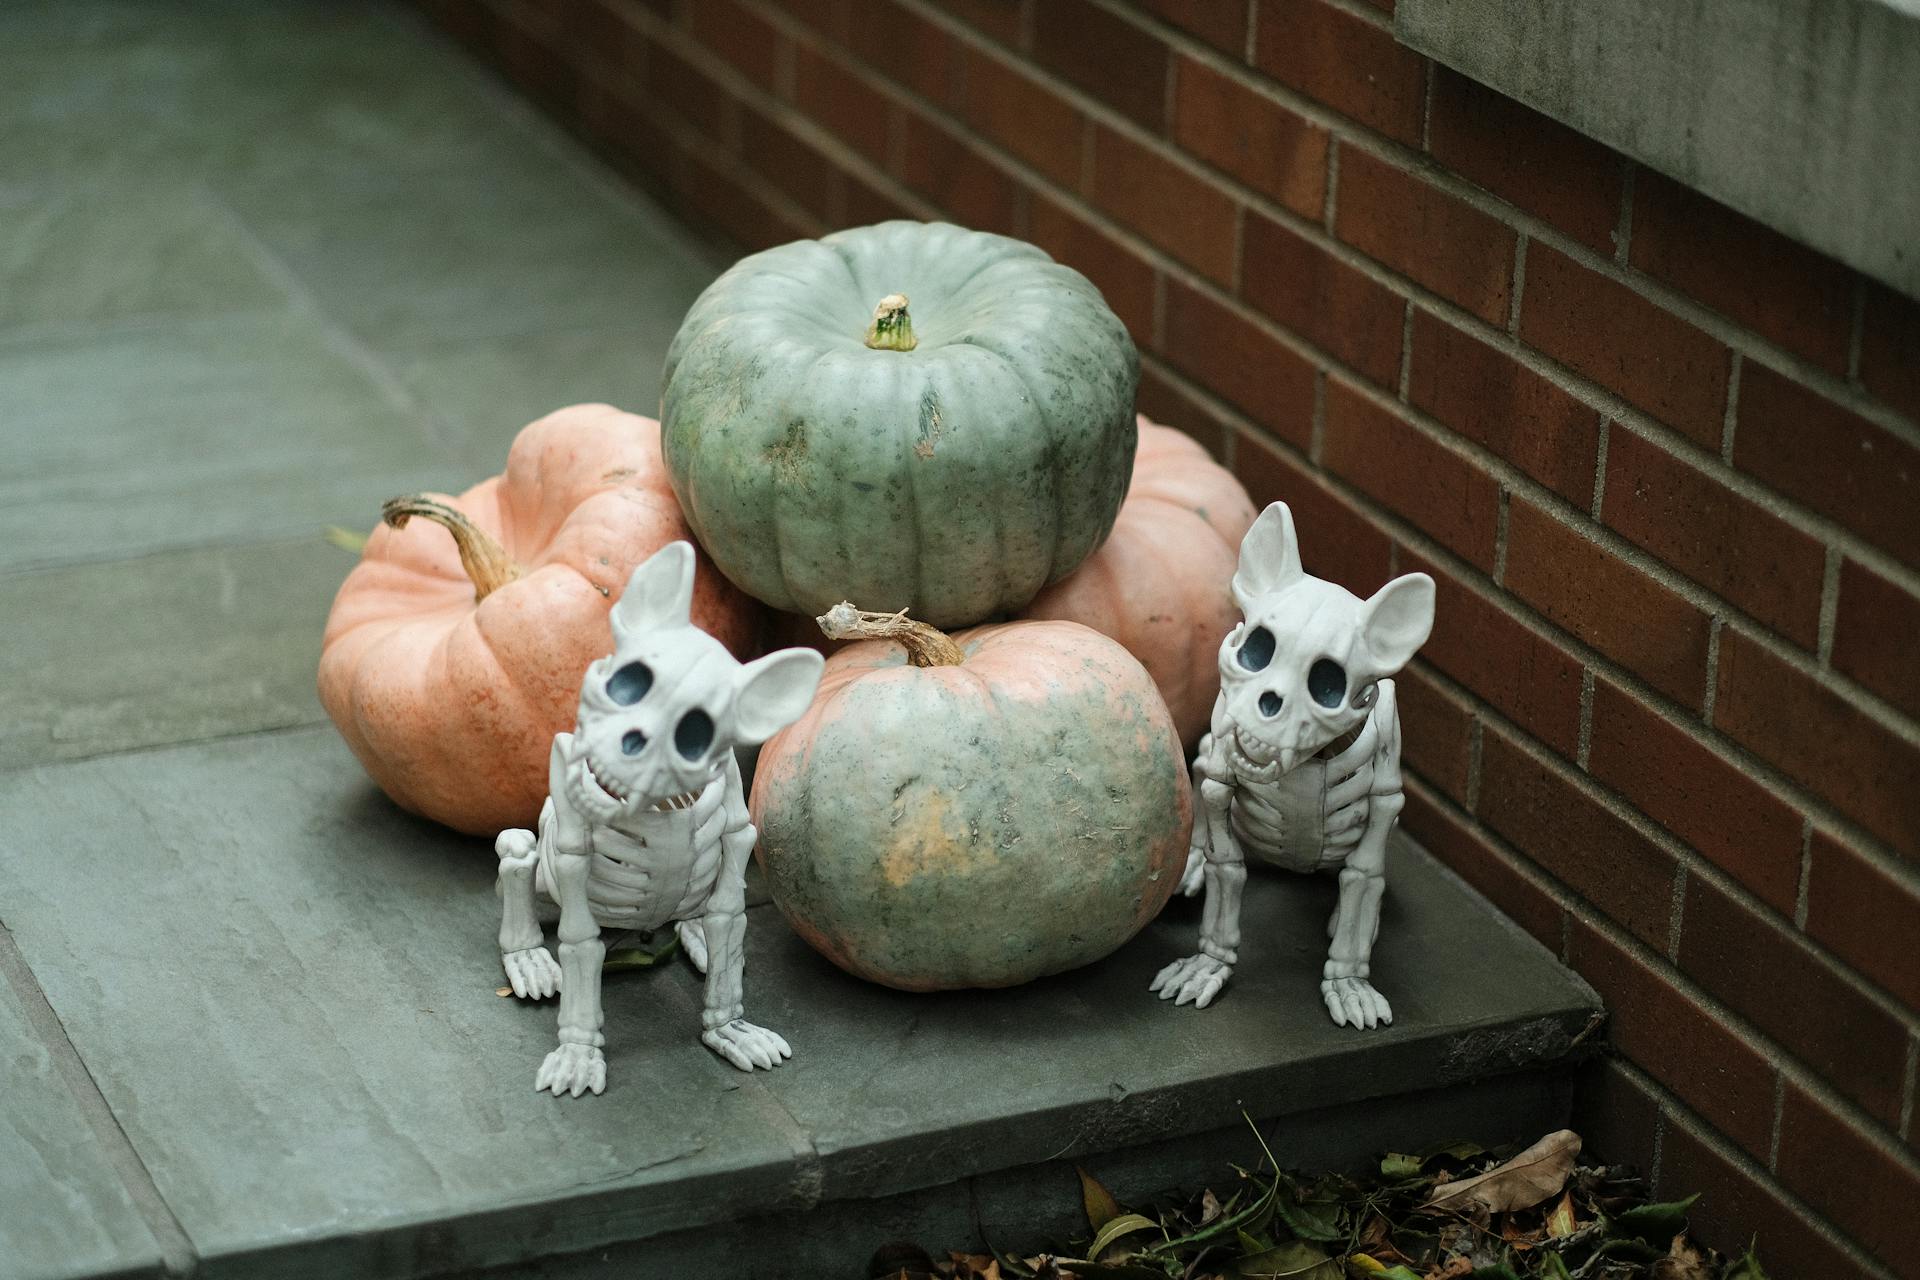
(1327, 682)
(630, 683)
(1257, 652)
(694, 734)
(633, 742)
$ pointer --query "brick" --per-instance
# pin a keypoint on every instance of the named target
(1251, 137)
(1338, 542)
(1616, 1114)
(1610, 604)
(1524, 675)
(1186, 216)
(733, 207)
(1890, 348)
(1113, 59)
(847, 106)
(1707, 1064)
(829, 17)
(1783, 291)
(1666, 771)
(1338, 308)
(1726, 542)
(1832, 1163)
(1758, 965)
(1494, 400)
(997, 18)
(867, 204)
(690, 93)
(1012, 109)
(622, 116)
(799, 169)
(1230, 356)
(1867, 914)
(1165, 399)
(1533, 163)
(1818, 738)
(1740, 1205)
(531, 55)
(1602, 329)
(971, 189)
(1873, 635)
(742, 37)
(1597, 855)
(1396, 217)
(1829, 459)
(1221, 23)
(1125, 278)
(916, 54)
(1519, 892)
(1344, 61)
(1435, 489)
(604, 34)
(1436, 729)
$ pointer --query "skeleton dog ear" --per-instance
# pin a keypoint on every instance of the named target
(1269, 556)
(659, 594)
(773, 692)
(1396, 620)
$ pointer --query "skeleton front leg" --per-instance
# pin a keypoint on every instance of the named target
(1198, 978)
(577, 1064)
(530, 970)
(724, 927)
(1345, 986)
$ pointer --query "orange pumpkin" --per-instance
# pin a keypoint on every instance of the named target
(1160, 585)
(455, 649)
(936, 815)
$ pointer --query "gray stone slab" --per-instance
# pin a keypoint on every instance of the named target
(163, 649)
(899, 1090)
(181, 434)
(63, 1209)
(285, 990)
(1799, 113)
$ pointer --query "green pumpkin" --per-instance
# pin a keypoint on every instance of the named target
(950, 450)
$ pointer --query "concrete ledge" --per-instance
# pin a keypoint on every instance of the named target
(283, 989)
(1802, 114)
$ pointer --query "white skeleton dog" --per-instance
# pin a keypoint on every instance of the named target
(1302, 765)
(646, 822)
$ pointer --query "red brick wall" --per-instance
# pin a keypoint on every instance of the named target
(1663, 463)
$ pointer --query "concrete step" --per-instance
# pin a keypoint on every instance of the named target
(270, 1044)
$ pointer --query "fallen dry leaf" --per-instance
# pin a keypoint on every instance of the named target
(1522, 1182)
(1562, 1222)
(503, 991)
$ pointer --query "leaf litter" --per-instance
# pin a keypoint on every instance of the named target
(1454, 1212)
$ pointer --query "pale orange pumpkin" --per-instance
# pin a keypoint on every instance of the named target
(455, 649)
(1160, 585)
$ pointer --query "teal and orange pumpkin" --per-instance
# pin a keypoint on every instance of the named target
(910, 415)
(1004, 804)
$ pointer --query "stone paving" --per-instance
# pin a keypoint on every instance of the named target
(261, 267)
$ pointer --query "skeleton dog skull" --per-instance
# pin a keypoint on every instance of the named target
(1301, 765)
(646, 820)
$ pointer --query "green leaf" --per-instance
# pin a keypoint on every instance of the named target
(1310, 1220)
(1747, 1268)
(1498, 1271)
(1114, 1228)
(1398, 1165)
(1251, 1244)
(1657, 1224)
(345, 539)
(646, 953)
(1552, 1267)
(1101, 1207)
(1453, 1150)
(1294, 1260)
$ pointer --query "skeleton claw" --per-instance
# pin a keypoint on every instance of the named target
(693, 941)
(747, 1046)
(1354, 1003)
(572, 1069)
(1194, 878)
(533, 973)
(1195, 980)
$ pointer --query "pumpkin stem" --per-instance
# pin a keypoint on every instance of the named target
(926, 646)
(484, 559)
(891, 329)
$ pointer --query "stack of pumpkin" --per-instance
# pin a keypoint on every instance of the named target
(937, 426)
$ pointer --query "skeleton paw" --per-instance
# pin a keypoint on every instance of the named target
(1194, 878)
(572, 1069)
(516, 844)
(693, 941)
(747, 1046)
(534, 973)
(1195, 980)
(1354, 1003)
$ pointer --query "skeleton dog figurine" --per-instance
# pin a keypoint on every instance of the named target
(646, 822)
(1302, 765)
